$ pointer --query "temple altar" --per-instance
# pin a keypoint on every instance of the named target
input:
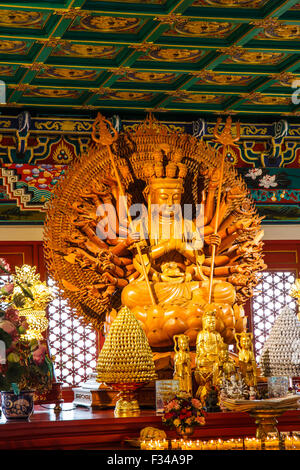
(78, 428)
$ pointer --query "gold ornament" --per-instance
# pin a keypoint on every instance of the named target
(125, 361)
(247, 363)
(209, 348)
(182, 364)
(34, 296)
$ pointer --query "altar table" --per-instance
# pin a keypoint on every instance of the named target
(79, 428)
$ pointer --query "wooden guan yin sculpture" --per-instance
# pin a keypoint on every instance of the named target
(165, 280)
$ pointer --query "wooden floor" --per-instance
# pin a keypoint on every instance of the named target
(82, 428)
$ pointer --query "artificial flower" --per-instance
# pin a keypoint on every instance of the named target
(24, 365)
(39, 354)
(182, 412)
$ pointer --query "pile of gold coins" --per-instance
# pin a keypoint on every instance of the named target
(126, 356)
(289, 441)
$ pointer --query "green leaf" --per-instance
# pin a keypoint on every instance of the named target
(50, 366)
(19, 300)
(14, 373)
(13, 357)
(33, 344)
(26, 291)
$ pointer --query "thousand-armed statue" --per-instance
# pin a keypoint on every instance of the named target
(159, 222)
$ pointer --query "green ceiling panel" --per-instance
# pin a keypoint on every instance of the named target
(188, 56)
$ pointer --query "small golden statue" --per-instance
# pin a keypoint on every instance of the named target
(227, 367)
(247, 363)
(209, 346)
(182, 363)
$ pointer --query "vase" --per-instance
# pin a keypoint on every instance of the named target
(185, 432)
(17, 406)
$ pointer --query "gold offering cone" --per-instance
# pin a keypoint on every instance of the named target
(125, 361)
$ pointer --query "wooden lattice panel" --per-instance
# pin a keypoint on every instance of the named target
(273, 295)
(72, 344)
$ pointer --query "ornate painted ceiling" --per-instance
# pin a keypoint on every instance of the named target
(171, 56)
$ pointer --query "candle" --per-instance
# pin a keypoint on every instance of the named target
(296, 442)
(219, 444)
(143, 445)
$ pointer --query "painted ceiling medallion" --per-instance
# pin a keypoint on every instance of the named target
(156, 2)
(259, 98)
(85, 50)
(109, 24)
(231, 3)
(282, 31)
(197, 98)
(126, 96)
(67, 74)
(158, 77)
(203, 28)
(243, 56)
(6, 70)
(176, 55)
(13, 47)
(20, 19)
(222, 79)
(285, 79)
(51, 93)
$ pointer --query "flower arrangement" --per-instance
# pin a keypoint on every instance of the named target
(183, 413)
(24, 365)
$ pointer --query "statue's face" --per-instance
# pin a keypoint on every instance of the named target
(168, 200)
(245, 342)
(182, 343)
(209, 323)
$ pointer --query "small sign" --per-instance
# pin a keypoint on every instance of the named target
(165, 391)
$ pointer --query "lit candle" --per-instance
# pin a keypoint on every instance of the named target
(143, 445)
(296, 442)
(173, 444)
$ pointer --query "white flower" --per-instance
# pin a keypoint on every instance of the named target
(254, 173)
(268, 181)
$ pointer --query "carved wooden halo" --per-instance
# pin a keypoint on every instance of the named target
(133, 148)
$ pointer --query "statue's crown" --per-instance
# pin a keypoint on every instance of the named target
(166, 167)
(209, 313)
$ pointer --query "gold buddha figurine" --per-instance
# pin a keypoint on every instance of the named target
(209, 347)
(182, 364)
(227, 364)
(247, 363)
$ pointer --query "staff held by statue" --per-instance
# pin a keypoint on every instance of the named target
(107, 135)
(226, 139)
